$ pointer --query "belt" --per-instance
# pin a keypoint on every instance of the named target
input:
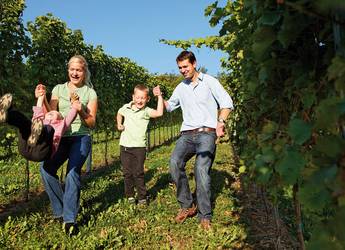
(198, 130)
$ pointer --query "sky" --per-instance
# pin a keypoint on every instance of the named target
(133, 28)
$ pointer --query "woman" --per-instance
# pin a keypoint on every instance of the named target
(75, 144)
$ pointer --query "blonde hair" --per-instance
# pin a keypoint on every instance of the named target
(82, 60)
(141, 87)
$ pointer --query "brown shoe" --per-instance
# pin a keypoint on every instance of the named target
(184, 213)
(205, 224)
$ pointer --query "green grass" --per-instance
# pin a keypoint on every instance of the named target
(108, 221)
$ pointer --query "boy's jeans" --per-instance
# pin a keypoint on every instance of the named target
(202, 145)
(66, 203)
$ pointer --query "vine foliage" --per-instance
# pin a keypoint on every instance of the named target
(286, 73)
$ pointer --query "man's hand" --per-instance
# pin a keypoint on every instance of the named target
(220, 129)
(157, 91)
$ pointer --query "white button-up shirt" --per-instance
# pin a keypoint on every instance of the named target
(199, 102)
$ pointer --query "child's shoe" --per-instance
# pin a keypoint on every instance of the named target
(131, 200)
(142, 203)
(5, 104)
(36, 130)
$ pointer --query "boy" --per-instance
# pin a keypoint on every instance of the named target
(133, 139)
(39, 138)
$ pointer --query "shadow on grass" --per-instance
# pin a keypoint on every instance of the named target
(39, 201)
(220, 179)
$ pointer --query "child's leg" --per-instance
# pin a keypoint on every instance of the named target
(138, 172)
(126, 157)
(17, 119)
(5, 104)
(42, 150)
(36, 130)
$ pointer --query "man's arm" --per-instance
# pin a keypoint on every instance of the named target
(223, 115)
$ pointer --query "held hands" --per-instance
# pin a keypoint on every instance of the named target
(75, 102)
(40, 90)
(157, 91)
(77, 105)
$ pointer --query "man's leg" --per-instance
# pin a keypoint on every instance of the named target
(205, 153)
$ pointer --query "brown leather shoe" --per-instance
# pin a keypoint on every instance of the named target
(184, 213)
(205, 224)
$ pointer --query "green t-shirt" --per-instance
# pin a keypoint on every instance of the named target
(86, 94)
(135, 122)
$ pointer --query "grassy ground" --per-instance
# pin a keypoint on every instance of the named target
(108, 221)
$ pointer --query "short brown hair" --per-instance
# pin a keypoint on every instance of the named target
(186, 55)
(141, 87)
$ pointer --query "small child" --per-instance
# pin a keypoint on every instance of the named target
(39, 138)
(133, 139)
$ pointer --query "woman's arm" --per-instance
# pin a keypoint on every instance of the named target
(54, 101)
(89, 115)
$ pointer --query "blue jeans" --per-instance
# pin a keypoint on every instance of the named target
(66, 203)
(202, 145)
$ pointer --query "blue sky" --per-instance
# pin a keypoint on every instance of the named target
(132, 28)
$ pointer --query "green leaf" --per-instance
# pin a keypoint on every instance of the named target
(308, 98)
(292, 26)
(328, 113)
(299, 131)
(330, 145)
(290, 166)
(314, 197)
(269, 18)
(264, 37)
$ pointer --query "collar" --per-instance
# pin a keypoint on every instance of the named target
(201, 76)
(132, 107)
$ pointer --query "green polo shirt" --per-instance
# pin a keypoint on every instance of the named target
(135, 122)
(85, 94)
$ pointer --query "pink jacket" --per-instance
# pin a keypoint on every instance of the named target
(60, 126)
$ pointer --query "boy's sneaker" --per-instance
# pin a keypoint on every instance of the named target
(5, 104)
(131, 200)
(142, 202)
(36, 130)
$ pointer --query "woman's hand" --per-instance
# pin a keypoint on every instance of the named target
(40, 90)
(77, 105)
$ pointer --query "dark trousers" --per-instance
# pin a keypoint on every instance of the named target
(43, 148)
(132, 160)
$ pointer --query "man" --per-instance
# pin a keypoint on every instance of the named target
(199, 96)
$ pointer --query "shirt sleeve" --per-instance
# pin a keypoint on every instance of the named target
(221, 95)
(174, 101)
(38, 112)
(148, 111)
(70, 118)
(56, 90)
(93, 95)
(121, 110)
